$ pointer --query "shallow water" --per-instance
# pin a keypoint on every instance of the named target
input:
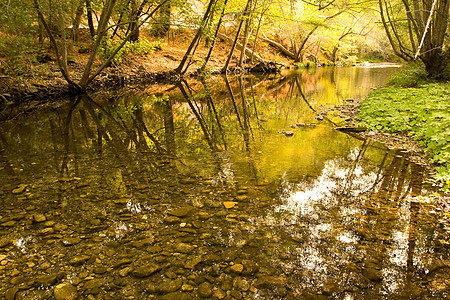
(224, 189)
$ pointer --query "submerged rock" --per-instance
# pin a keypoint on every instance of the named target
(10, 294)
(48, 280)
(80, 259)
(229, 204)
(39, 218)
(169, 286)
(181, 212)
(270, 282)
(373, 274)
(237, 268)
(5, 241)
(184, 248)
(205, 290)
(65, 291)
(145, 270)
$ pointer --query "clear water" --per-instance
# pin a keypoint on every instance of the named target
(199, 190)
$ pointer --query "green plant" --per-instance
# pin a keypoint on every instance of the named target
(411, 75)
(443, 176)
(140, 47)
(423, 112)
(17, 54)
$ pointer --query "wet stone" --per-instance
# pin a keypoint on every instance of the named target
(211, 258)
(219, 294)
(78, 260)
(10, 294)
(176, 296)
(187, 288)
(122, 262)
(144, 242)
(205, 290)
(330, 286)
(5, 241)
(60, 227)
(229, 204)
(145, 270)
(250, 267)
(39, 218)
(270, 282)
(190, 264)
(100, 270)
(373, 274)
(181, 212)
(229, 255)
(48, 280)
(237, 268)
(65, 291)
(242, 198)
(20, 189)
(170, 286)
(184, 248)
(71, 241)
(93, 286)
(241, 284)
(172, 220)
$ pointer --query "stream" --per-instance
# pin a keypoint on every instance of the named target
(230, 188)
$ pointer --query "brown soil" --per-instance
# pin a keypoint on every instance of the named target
(44, 80)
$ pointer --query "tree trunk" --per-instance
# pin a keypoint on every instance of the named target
(162, 25)
(202, 68)
(280, 47)
(89, 18)
(196, 39)
(248, 15)
(248, 52)
(76, 22)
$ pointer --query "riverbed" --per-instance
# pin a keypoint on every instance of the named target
(227, 188)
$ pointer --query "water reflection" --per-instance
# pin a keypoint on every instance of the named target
(198, 185)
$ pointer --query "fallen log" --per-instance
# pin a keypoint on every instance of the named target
(351, 129)
(265, 67)
(280, 47)
(248, 52)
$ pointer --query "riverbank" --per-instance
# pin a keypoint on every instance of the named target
(42, 79)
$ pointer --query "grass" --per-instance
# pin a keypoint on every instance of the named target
(422, 111)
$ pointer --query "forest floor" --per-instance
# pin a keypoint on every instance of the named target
(40, 80)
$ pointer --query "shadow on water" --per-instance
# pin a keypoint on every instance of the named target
(225, 188)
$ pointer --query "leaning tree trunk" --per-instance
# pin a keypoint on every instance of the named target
(248, 15)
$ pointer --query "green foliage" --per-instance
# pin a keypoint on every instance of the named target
(18, 54)
(443, 175)
(423, 112)
(141, 47)
(411, 75)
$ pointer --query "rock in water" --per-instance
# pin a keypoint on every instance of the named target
(181, 212)
(146, 270)
(65, 291)
(205, 290)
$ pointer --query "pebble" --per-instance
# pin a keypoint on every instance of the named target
(184, 248)
(78, 260)
(237, 268)
(39, 218)
(181, 212)
(65, 291)
(229, 204)
(146, 270)
(5, 241)
(205, 290)
(20, 189)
